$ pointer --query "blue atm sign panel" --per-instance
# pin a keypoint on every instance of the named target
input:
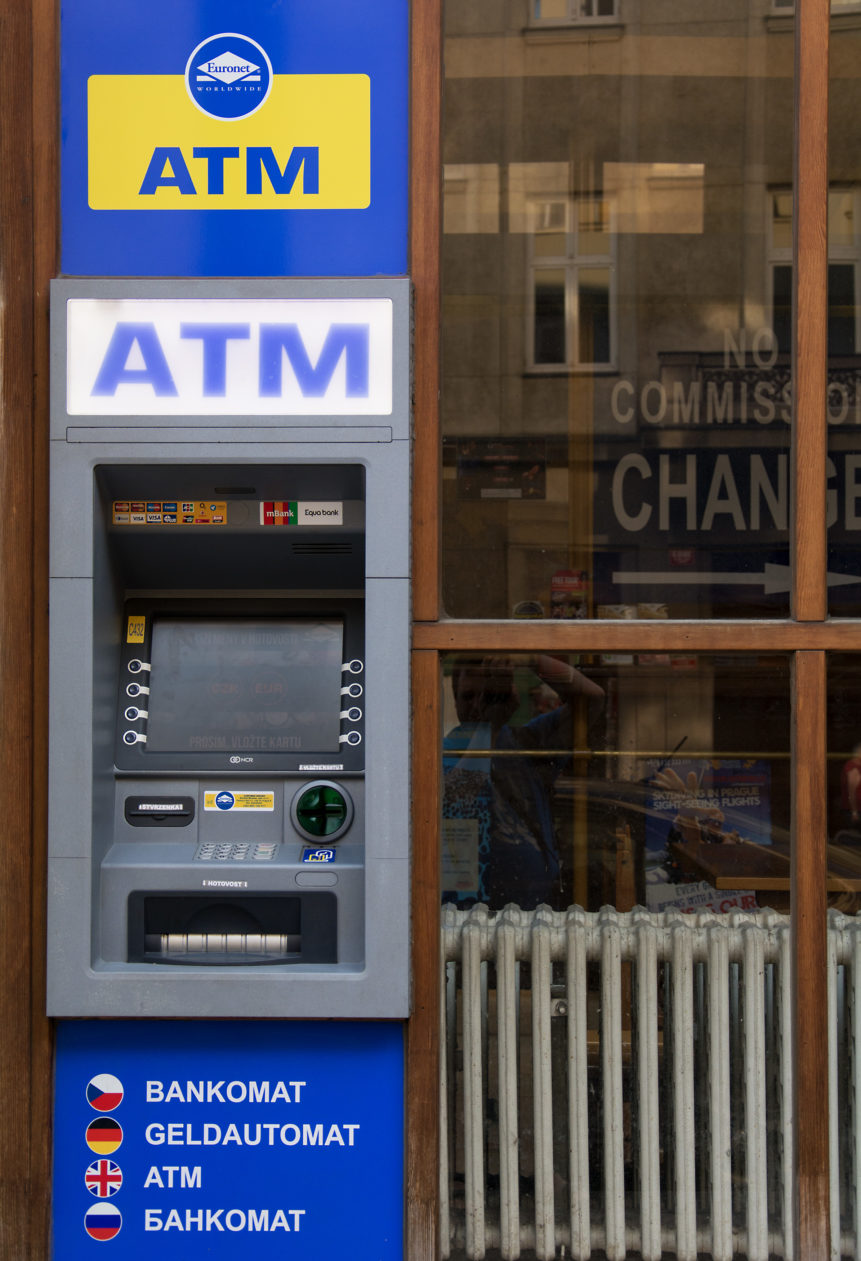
(225, 139)
(197, 1139)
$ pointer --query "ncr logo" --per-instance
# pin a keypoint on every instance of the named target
(229, 357)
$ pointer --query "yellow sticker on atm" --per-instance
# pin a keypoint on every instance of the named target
(224, 800)
(136, 630)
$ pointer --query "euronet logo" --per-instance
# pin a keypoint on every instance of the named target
(228, 76)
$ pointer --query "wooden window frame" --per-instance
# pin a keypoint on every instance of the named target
(807, 635)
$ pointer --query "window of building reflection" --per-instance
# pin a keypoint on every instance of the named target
(836, 5)
(659, 780)
(574, 304)
(572, 11)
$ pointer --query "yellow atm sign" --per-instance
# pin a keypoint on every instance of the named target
(308, 147)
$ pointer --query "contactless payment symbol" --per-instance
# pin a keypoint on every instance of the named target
(103, 1221)
(105, 1092)
(228, 76)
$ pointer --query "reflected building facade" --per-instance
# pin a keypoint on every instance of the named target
(617, 295)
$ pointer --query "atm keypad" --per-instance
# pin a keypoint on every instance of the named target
(235, 851)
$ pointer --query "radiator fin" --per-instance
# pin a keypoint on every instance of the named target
(623, 1083)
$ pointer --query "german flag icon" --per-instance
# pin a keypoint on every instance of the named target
(104, 1136)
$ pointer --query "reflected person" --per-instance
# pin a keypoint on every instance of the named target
(498, 781)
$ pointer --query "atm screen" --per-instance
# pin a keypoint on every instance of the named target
(228, 684)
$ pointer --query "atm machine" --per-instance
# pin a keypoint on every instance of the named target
(229, 810)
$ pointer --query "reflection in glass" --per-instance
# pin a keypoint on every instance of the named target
(658, 780)
(550, 316)
(593, 303)
(626, 309)
(844, 781)
(602, 1060)
(844, 334)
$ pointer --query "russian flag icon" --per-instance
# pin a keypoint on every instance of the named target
(103, 1221)
(105, 1092)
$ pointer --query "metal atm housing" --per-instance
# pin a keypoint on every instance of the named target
(228, 815)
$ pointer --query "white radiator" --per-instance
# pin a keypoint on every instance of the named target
(623, 1083)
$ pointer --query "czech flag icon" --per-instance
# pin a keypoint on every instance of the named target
(104, 1136)
(105, 1092)
(103, 1221)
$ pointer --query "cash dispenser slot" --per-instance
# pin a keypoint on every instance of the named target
(223, 929)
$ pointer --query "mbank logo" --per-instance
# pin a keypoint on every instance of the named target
(228, 76)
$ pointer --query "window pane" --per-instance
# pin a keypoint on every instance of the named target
(781, 319)
(844, 360)
(550, 10)
(844, 781)
(573, 1037)
(593, 292)
(841, 219)
(841, 309)
(555, 771)
(781, 213)
(626, 321)
(550, 317)
(593, 227)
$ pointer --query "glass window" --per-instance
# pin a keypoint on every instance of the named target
(657, 780)
(843, 468)
(573, 310)
(616, 304)
(844, 258)
(574, 1042)
(572, 11)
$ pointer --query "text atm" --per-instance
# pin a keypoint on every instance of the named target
(229, 649)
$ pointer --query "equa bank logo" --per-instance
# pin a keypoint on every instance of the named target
(229, 134)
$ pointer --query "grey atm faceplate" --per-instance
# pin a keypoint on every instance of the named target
(229, 658)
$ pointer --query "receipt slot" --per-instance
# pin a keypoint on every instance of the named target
(229, 649)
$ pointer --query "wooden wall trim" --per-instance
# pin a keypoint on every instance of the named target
(810, 303)
(423, 1033)
(809, 956)
(46, 236)
(425, 240)
(613, 636)
(810, 605)
(20, 1161)
(422, 1137)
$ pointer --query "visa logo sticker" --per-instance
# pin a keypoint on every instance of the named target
(307, 146)
(229, 357)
